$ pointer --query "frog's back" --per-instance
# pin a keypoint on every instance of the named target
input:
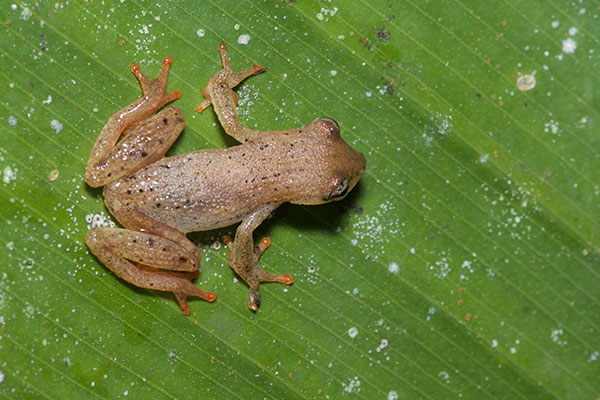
(190, 192)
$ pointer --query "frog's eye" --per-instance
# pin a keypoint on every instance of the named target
(339, 189)
(328, 126)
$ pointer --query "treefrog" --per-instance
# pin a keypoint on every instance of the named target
(159, 199)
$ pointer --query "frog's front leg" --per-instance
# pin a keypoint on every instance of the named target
(244, 258)
(165, 259)
(148, 139)
(219, 93)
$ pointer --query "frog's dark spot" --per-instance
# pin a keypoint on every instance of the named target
(157, 205)
(109, 174)
(165, 121)
(144, 154)
(182, 259)
(164, 249)
(141, 190)
(150, 243)
(128, 191)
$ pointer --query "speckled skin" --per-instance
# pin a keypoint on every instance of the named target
(160, 199)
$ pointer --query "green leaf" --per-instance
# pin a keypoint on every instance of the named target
(465, 264)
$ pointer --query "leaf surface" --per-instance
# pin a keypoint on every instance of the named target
(465, 263)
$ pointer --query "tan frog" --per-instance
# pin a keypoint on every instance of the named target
(160, 199)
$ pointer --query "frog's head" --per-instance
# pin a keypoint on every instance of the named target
(337, 166)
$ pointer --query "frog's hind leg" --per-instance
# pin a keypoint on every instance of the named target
(155, 89)
(100, 165)
(163, 263)
(219, 93)
(145, 144)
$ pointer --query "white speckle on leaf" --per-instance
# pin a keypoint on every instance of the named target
(555, 24)
(26, 13)
(8, 174)
(26, 264)
(200, 33)
(573, 31)
(444, 375)
(353, 386)
(555, 336)
(12, 121)
(98, 221)
(551, 126)
(53, 175)
(48, 100)
(392, 395)
(56, 126)
(569, 46)
(382, 345)
(352, 332)
(393, 268)
(243, 39)
(1, 376)
(526, 82)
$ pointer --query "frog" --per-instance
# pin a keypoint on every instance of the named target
(159, 200)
